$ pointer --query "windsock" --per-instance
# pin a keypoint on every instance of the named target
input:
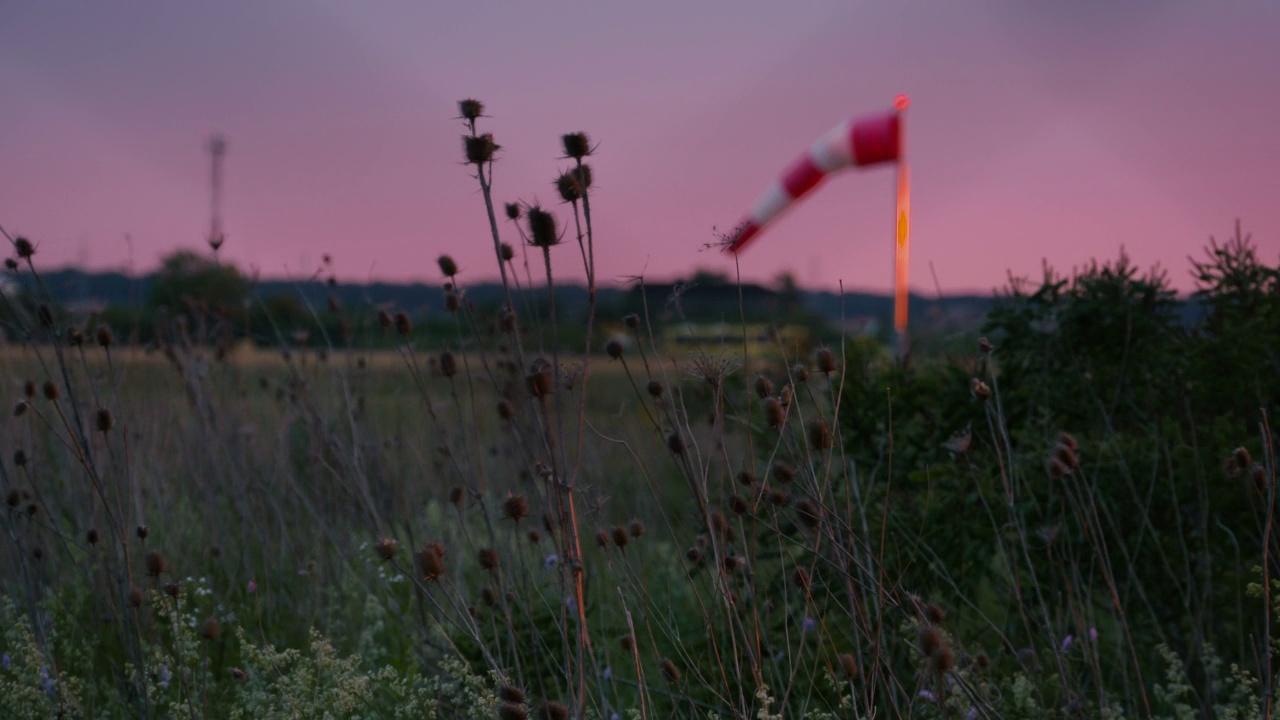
(859, 142)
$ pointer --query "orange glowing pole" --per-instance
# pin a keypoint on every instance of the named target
(902, 249)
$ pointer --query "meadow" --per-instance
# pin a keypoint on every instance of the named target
(1069, 516)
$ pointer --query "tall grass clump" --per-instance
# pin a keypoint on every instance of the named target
(538, 508)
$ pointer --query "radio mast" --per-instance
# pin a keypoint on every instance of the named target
(217, 147)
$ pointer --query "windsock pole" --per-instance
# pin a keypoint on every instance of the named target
(902, 246)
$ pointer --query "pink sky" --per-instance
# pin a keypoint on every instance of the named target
(1038, 130)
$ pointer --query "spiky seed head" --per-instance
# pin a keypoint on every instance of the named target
(675, 443)
(457, 495)
(800, 578)
(512, 210)
(774, 414)
(694, 555)
(763, 387)
(636, 528)
(135, 597)
(567, 186)
(669, 670)
(512, 711)
(809, 513)
(448, 364)
(848, 666)
(655, 388)
(982, 660)
(820, 436)
(50, 390)
(45, 314)
(554, 710)
(534, 536)
(91, 536)
(23, 248)
(448, 267)
(582, 175)
(539, 380)
(576, 145)
(506, 252)
(627, 642)
(778, 497)
(1067, 456)
(783, 472)
(1241, 457)
(506, 410)
(980, 390)
(515, 508)
(403, 325)
(747, 478)
(613, 348)
(20, 408)
(384, 319)
(104, 420)
(210, 629)
(155, 563)
(929, 639)
(19, 458)
(431, 562)
(739, 505)
(387, 548)
(632, 321)
(602, 539)
(13, 499)
(29, 388)
(985, 346)
(511, 694)
(542, 228)
(452, 302)
(825, 360)
(942, 660)
(934, 614)
(470, 109)
(620, 536)
(479, 149)
(104, 337)
(488, 558)
(10, 264)
(142, 531)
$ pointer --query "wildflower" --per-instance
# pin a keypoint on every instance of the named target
(252, 587)
(810, 625)
(488, 558)
(608, 673)
(165, 676)
(1093, 634)
(550, 561)
(387, 548)
(927, 695)
(637, 528)
(1066, 643)
(5, 661)
(980, 390)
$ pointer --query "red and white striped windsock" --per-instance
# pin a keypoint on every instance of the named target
(858, 142)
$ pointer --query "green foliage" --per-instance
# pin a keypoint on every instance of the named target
(188, 279)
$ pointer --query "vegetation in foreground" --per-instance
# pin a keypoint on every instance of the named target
(1071, 517)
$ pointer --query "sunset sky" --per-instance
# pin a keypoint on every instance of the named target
(1039, 130)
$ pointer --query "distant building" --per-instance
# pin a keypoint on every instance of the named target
(759, 340)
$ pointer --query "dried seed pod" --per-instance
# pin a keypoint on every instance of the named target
(825, 360)
(576, 145)
(387, 548)
(820, 436)
(448, 267)
(479, 149)
(210, 629)
(470, 109)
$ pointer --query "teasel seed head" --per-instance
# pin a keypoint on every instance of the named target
(980, 390)
(763, 387)
(142, 531)
(515, 508)
(155, 563)
(675, 443)
(431, 562)
(554, 710)
(567, 187)
(50, 390)
(825, 360)
(452, 302)
(627, 642)
(403, 325)
(985, 347)
(210, 629)
(613, 348)
(506, 410)
(801, 578)
(104, 337)
(774, 415)
(23, 248)
(29, 389)
(934, 614)
(848, 666)
(506, 252)
(942, 660)
(104, 420)
(512, 711)
(809, 513)
(694, 555)
(20, 408)
(13, 499)
(576, 145)
(602, 539)
(655, 388)
(387, 548)
(542, 228)
(1067, 456)
(512, 210)
(479, 149)
(929, 638)
(747, 478)
(488, 558)
(511, 694)
(636, 528)
(739, 505)
(620, 536)
(448, 267)
(448, 364)
(470, 109)
(134, 597)
(800, 372)
(91, 536)
(539, 379)
(1057, 470)
(820, 436)
(19, 458)
(457, 495)
(1242, 457)
(669, 670)
(783, 472)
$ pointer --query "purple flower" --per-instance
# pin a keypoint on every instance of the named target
(253, 587)
(972, 714)
(810, 624)
(927, 695)
(1066, 643)
(608, 673)
(550, 561)
(5, 661)
(1093, 634)
(165, 676)
(570, 604)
